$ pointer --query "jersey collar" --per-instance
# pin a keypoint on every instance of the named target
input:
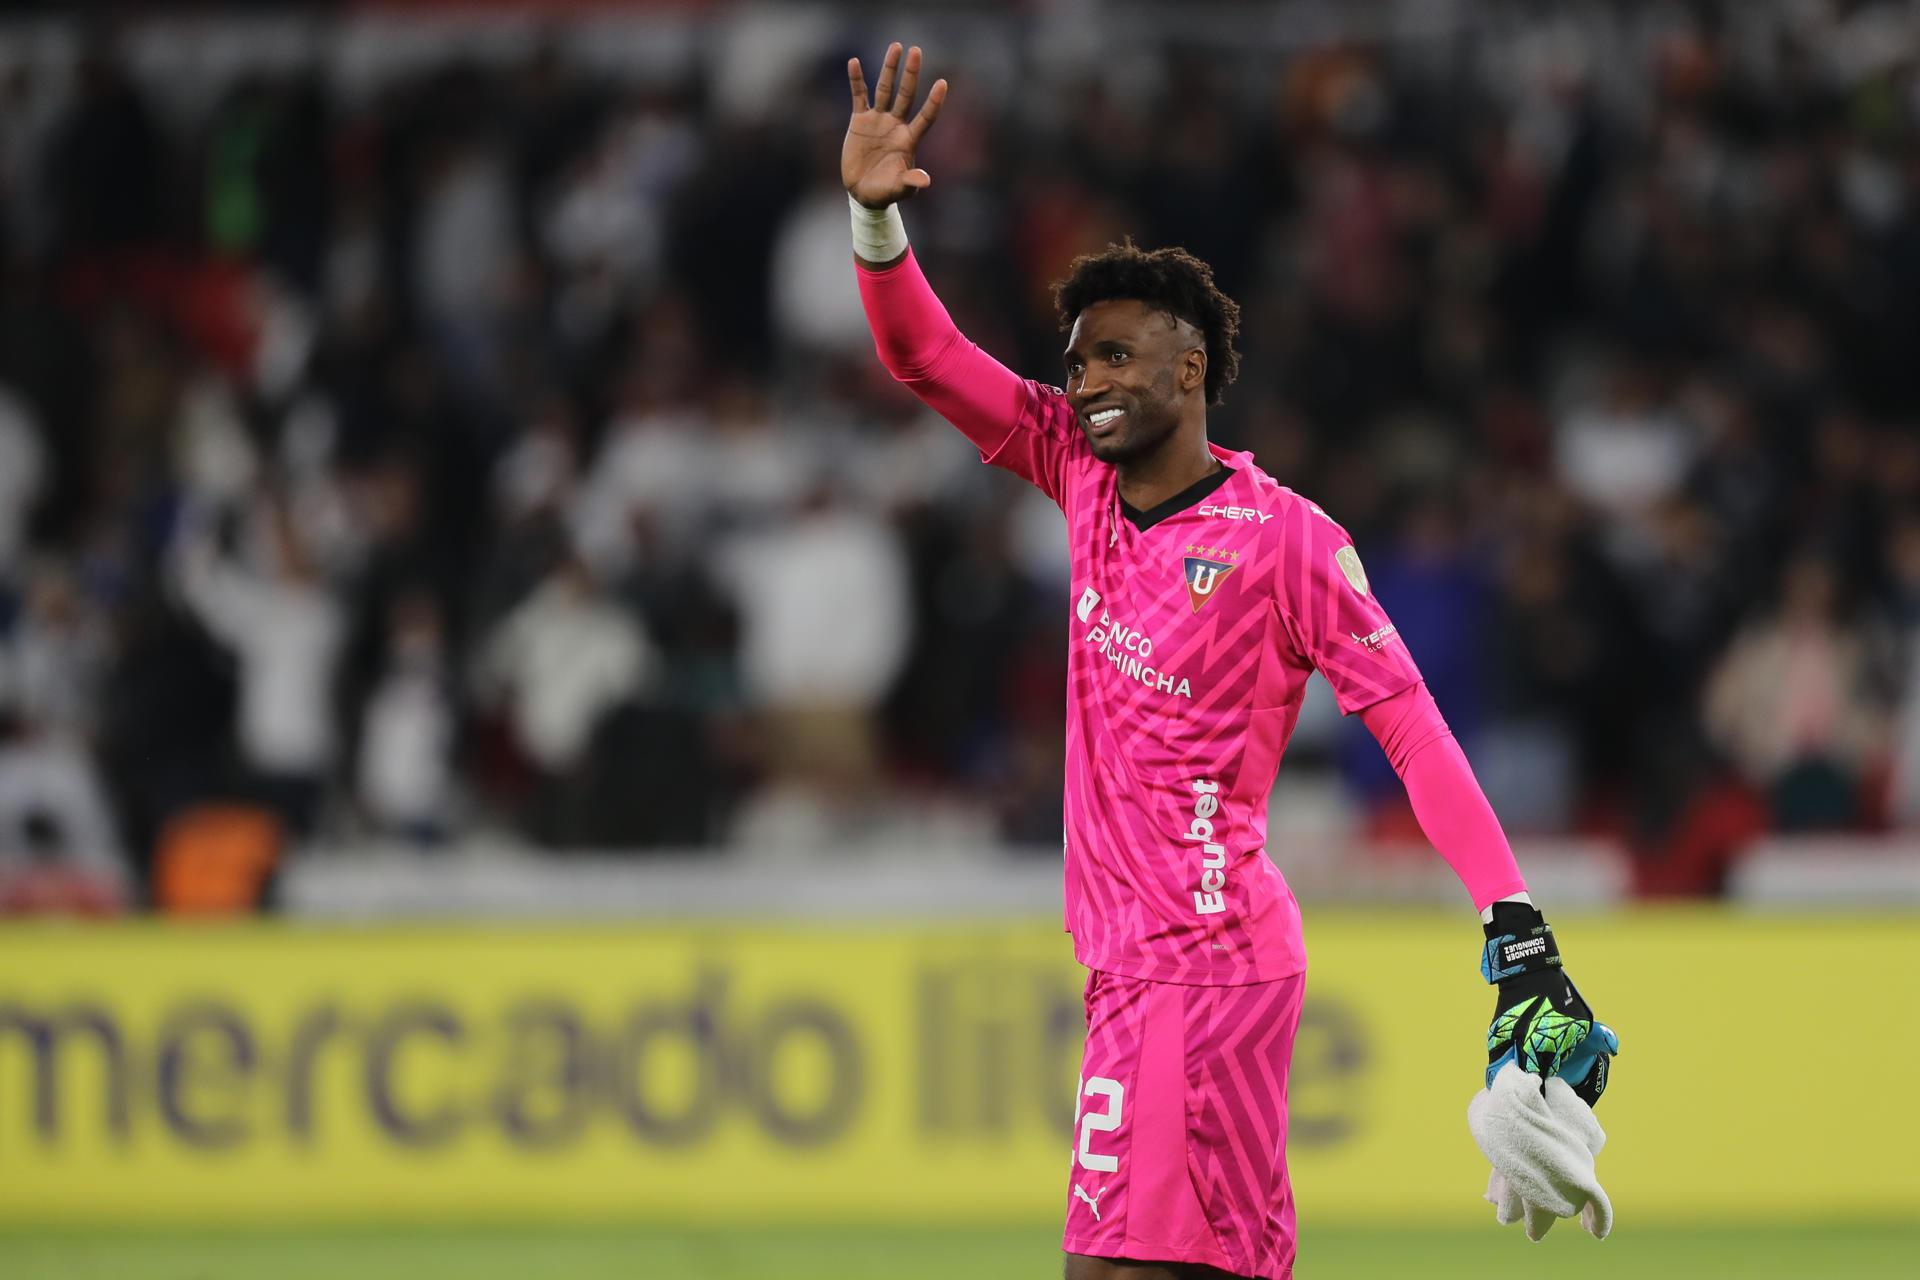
(1145, 520)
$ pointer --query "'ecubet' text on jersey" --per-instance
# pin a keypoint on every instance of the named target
(1211, 896)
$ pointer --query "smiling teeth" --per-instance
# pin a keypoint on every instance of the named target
(1105, 416)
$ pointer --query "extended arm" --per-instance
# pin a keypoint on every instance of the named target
(920, 346)
(1446, 799)
(915, 337)
(1540, 1021)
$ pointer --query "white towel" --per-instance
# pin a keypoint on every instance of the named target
(1541, 1147)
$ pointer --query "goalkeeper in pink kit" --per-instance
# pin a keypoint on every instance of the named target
(1204, 593)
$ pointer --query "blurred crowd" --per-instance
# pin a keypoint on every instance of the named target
(489, 443)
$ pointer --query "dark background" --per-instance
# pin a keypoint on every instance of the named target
(488, 393)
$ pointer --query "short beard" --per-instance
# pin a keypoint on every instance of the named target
(1154, 424)
(1118, 452)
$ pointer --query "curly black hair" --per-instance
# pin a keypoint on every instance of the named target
(1170, 280)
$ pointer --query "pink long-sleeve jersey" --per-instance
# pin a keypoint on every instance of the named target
(1190, 645)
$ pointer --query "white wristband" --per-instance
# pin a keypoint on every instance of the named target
(1486, 912)
(878, 234)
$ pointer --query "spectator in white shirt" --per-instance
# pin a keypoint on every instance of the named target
(408, 728)
(825, 619)
(286, 629)
(558, 664)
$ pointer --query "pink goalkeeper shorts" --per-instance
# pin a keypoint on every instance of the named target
(1180, 1136)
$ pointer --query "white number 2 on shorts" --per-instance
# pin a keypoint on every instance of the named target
(1092, 1122)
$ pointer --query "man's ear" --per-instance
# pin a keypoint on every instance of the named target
(1193, 369)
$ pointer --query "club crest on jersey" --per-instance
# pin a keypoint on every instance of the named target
(1204, 578)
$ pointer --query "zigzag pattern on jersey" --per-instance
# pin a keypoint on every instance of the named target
(1203, 746)
(1120, 889)
(1240, 1039)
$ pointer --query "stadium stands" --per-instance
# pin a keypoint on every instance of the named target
(518, 368)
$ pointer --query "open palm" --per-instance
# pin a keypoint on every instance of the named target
(876, 161)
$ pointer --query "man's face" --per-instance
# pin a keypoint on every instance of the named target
(1129, 368)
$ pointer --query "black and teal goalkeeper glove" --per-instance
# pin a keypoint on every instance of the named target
(1540, 1022)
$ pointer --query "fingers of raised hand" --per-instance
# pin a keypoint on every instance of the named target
(930, 111)
(883, 92)
(909, 84)
(858, 83)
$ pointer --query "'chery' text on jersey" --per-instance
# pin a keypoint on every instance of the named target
(1189, 649)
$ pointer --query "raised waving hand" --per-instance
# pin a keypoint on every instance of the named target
(876, 160)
